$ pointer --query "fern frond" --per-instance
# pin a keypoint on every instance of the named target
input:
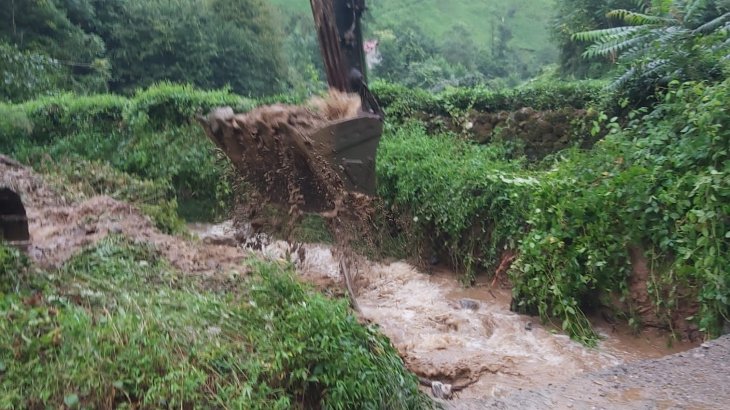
(595, 35)
(638, 19)
(713, 24)
(639, 48)
(622, 80)
(694, 7)
(615, 45)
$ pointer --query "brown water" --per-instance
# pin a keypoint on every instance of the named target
(467, 336)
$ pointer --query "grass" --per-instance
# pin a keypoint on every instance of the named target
(117, 327)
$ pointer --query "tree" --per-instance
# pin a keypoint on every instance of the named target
(249, 47)
(46, 38)
(582, 15)
(671, 40)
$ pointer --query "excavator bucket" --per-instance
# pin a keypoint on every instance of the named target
(296, 156)
(350, 146)
(306, 158)
(13, 220)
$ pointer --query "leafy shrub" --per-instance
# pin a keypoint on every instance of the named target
(466, 196)
(662, 184)
(151, 136)
(402, 103)
(117, 325)
(167, 105)
(26, 74)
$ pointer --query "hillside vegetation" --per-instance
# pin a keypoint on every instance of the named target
(498, 39)
(624, 212)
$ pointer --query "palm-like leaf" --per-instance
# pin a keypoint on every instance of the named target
(638, 19)
(673, 44)
(596, 35)
(615, 45)
(714, 24)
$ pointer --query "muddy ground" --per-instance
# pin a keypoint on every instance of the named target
(464, 337)
(61, 224)
(696, 379)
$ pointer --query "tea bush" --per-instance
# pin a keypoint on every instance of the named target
(662, 184)
(466, 197)
(150, 136)
(402, 103)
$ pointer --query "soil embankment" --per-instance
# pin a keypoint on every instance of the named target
(61, 226)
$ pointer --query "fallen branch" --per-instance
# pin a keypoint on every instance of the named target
(345, 271)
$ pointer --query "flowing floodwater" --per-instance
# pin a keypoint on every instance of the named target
(466, 337)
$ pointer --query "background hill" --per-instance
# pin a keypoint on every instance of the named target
(507, 39)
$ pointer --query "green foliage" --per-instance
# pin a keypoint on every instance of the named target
(583, 15)
(57, 52)
(13, 265)
(663, 185)
(660, 185)
(205, 43)
(676, 40)
(491, 43)
(401, 102)
(117, 325)
(26, 74)
(464, 195)
(151, 136)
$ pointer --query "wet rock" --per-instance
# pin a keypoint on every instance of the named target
(470, 304)
(441, 390)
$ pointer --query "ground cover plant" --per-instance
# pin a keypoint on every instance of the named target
(116, 326)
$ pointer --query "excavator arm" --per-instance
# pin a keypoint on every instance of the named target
(339, 33)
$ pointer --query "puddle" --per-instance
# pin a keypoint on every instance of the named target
(467, 337)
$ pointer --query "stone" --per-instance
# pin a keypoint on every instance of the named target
(470, 304)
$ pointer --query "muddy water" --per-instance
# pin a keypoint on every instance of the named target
(463, 336)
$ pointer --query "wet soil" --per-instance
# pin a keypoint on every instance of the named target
(61, 225)
(695, 379)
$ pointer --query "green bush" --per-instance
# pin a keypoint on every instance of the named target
(464, 196)
(402, 103)
(151, 136)
(117, 325)
(168, 105)
(663, 184)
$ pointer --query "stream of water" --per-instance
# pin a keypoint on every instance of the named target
(465, 336)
